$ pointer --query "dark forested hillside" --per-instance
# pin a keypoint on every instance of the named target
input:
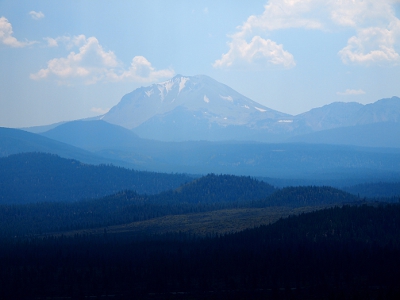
(220, 188)
(205, 194)
(349, 252)
(375, 189)
(308, 196)
(36, 177)
(211, 193)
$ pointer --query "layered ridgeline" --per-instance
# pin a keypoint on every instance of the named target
(106, 143)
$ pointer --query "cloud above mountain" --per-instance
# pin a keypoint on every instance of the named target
(91, 63)
(374, 23)
(350, 92)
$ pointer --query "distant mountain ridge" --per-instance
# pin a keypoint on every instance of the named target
(341, 114)
(201, 108)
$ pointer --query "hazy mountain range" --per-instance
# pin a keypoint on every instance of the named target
(200, 108)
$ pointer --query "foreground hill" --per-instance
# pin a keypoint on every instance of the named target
(349, 252)
(38, 177)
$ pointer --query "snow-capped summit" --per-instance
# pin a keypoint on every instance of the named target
(188, 101)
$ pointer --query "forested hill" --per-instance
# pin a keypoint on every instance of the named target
(127, 207)
(37, 177)
(308, 196)
(220, 188)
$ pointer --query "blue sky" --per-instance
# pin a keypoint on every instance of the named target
(66, 60)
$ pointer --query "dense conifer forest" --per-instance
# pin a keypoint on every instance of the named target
(348, 252)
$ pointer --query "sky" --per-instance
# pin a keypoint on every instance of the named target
(67, 60)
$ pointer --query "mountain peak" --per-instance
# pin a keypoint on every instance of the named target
(199, 96)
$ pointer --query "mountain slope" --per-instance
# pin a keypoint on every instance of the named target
(340, 114)
(13, 141)
(92, 135)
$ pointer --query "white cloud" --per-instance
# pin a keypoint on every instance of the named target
(141, 70)
(51, 42)
(92, 64)
(280, 14)
(6, 35)
(259, 53)
(377, 32)
(375, 23)
(350, 92)
(36, 15)
(373, 45)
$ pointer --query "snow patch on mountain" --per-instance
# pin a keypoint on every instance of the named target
(206, 100)
(167, 85)
(149, 93)
(182, 83)
(228, 98)
(164, 88)
(260, 109)
(161, 89)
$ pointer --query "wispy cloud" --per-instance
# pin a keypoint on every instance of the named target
(99, 110)
(91, 64)
(36, 15)
(6, 35)
(349, 92)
